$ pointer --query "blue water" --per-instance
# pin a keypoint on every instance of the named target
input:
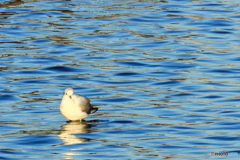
(164, 74)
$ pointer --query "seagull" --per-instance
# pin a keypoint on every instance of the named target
(75, 107)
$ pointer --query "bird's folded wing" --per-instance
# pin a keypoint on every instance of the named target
(83, 103)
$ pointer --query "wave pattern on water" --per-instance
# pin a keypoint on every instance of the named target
(164, 74)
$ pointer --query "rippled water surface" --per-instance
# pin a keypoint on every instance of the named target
(164, 74)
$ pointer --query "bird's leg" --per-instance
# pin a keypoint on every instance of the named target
(82, 120)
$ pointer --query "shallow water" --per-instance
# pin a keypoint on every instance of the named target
(164, 74)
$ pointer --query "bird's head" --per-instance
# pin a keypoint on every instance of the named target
(69, 91)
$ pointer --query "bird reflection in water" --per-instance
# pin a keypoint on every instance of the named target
(67, 132)
(74, 127)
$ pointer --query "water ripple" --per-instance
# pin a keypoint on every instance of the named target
(164, 75)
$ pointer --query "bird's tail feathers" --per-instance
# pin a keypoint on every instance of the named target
(94, 110)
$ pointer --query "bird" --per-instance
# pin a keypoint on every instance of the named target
(75, 107)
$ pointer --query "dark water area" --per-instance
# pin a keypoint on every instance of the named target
(164, 74)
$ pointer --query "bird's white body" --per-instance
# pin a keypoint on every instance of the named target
(75, 107)
(70, 110)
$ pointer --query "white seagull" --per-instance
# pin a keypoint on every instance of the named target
(75, 107)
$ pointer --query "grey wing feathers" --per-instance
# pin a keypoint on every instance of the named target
(84, 103)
